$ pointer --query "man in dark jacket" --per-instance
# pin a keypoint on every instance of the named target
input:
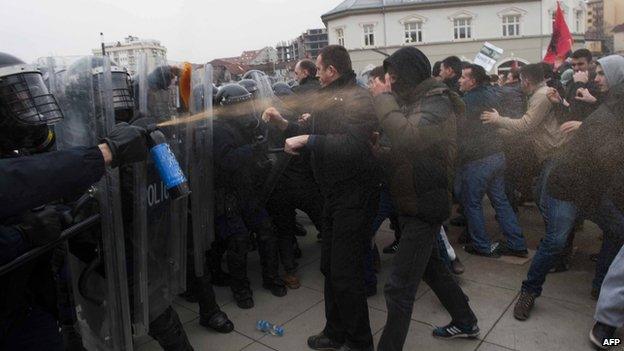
(578, 109)
(482, 167)
(338, 141)
(450, 72)
(305, 73)
(419, 116)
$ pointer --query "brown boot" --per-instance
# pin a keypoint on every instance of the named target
(291, 281)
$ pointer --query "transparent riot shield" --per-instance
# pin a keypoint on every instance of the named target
(97, 262)
(158, 228)
(199, 132)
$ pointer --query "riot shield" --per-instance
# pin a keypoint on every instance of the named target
(200, 165)
(158, 228)
(97, 263)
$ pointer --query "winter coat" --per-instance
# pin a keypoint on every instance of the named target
(475, 139)
(422, 132)
(591, 163)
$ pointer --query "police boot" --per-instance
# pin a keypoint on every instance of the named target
(210, 316)
(168, 331)
(267, 248)
(236, 256)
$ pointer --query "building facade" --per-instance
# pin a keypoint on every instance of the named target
(126, 53)
(308, 45)
(440, 28)
(602, 18)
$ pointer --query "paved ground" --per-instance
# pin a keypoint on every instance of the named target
(560, 321)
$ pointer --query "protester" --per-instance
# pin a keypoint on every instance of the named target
(421, 172)
(450, 72)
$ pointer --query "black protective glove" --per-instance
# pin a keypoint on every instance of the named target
(128, 144)
(41, 226)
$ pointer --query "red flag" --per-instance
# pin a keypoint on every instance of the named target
(561, 40)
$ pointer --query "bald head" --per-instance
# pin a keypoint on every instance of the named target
(305, 68)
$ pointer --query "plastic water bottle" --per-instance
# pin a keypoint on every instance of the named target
(273, 329)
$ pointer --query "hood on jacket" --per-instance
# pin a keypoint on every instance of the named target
(615, 99)
(412, 68)
(613, 67)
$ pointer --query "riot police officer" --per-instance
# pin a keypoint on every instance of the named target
(32, 175)
(240, 167)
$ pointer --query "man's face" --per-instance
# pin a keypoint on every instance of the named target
(300, 74)
(510, 78)
(601, 80)
(446, 72)
(326, 75)
(580, 64)
(466, 82)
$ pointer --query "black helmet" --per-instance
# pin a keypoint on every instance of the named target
(282, 89)
(26, 108)
(253, 73)
(250, 85)
(232, 94)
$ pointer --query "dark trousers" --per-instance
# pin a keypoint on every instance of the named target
(347, 229)
(418, 259)
(287, 198)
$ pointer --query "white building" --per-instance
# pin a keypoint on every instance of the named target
(126, 53)
(441, 28)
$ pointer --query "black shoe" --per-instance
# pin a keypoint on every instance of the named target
(459, 221)
(524, 305)
(504, 250)
(599, 333)
(218, 322)
(323, 342)
(473, 251)
(452, 331)
(392, 248)
(457, 267)
(300, 230)
(276, 286)
(244, 298)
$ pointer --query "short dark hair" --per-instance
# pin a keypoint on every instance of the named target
(378, 72)
(494, 78)
(478, 74)
(534, 73)
(309, 66)
(549, 73)
(437, 67)
(337, 56)
(454, 63)
(582, 53)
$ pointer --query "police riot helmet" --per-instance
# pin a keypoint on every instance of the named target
(26, 107)
(253, 73)
(237, 105)
(232, 94)
(251, 86)
(282, 89)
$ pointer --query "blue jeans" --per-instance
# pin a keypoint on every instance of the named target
(611, 221)
(559, 217)
(483, 176)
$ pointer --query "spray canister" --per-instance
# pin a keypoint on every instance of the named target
(167, 165)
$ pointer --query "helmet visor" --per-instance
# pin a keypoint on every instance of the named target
(25, 98)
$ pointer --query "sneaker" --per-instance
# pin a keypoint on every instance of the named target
(524, 305)
(323, 342)
(291, 281)
(473, 251)
(598, 333)
(276, 286)
(504, 250)
(392, 248)
(452, 331)
(218, 322)
(457, 267)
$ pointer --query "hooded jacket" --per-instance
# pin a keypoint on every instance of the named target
(613, 67)
(420, 122)
(590, 166)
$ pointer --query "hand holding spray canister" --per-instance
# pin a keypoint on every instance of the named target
(167, 164)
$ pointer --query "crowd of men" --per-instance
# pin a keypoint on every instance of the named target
(405, 146)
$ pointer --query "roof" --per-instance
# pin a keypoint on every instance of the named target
(234, 68)
(355, 5)
(618, 29)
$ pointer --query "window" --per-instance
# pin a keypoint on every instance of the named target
(463, 28)
(369, 35)
(340, 36)
(413, 32)
(579, 21)
(511, 25)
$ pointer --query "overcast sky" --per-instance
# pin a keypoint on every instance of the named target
(192, 30)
